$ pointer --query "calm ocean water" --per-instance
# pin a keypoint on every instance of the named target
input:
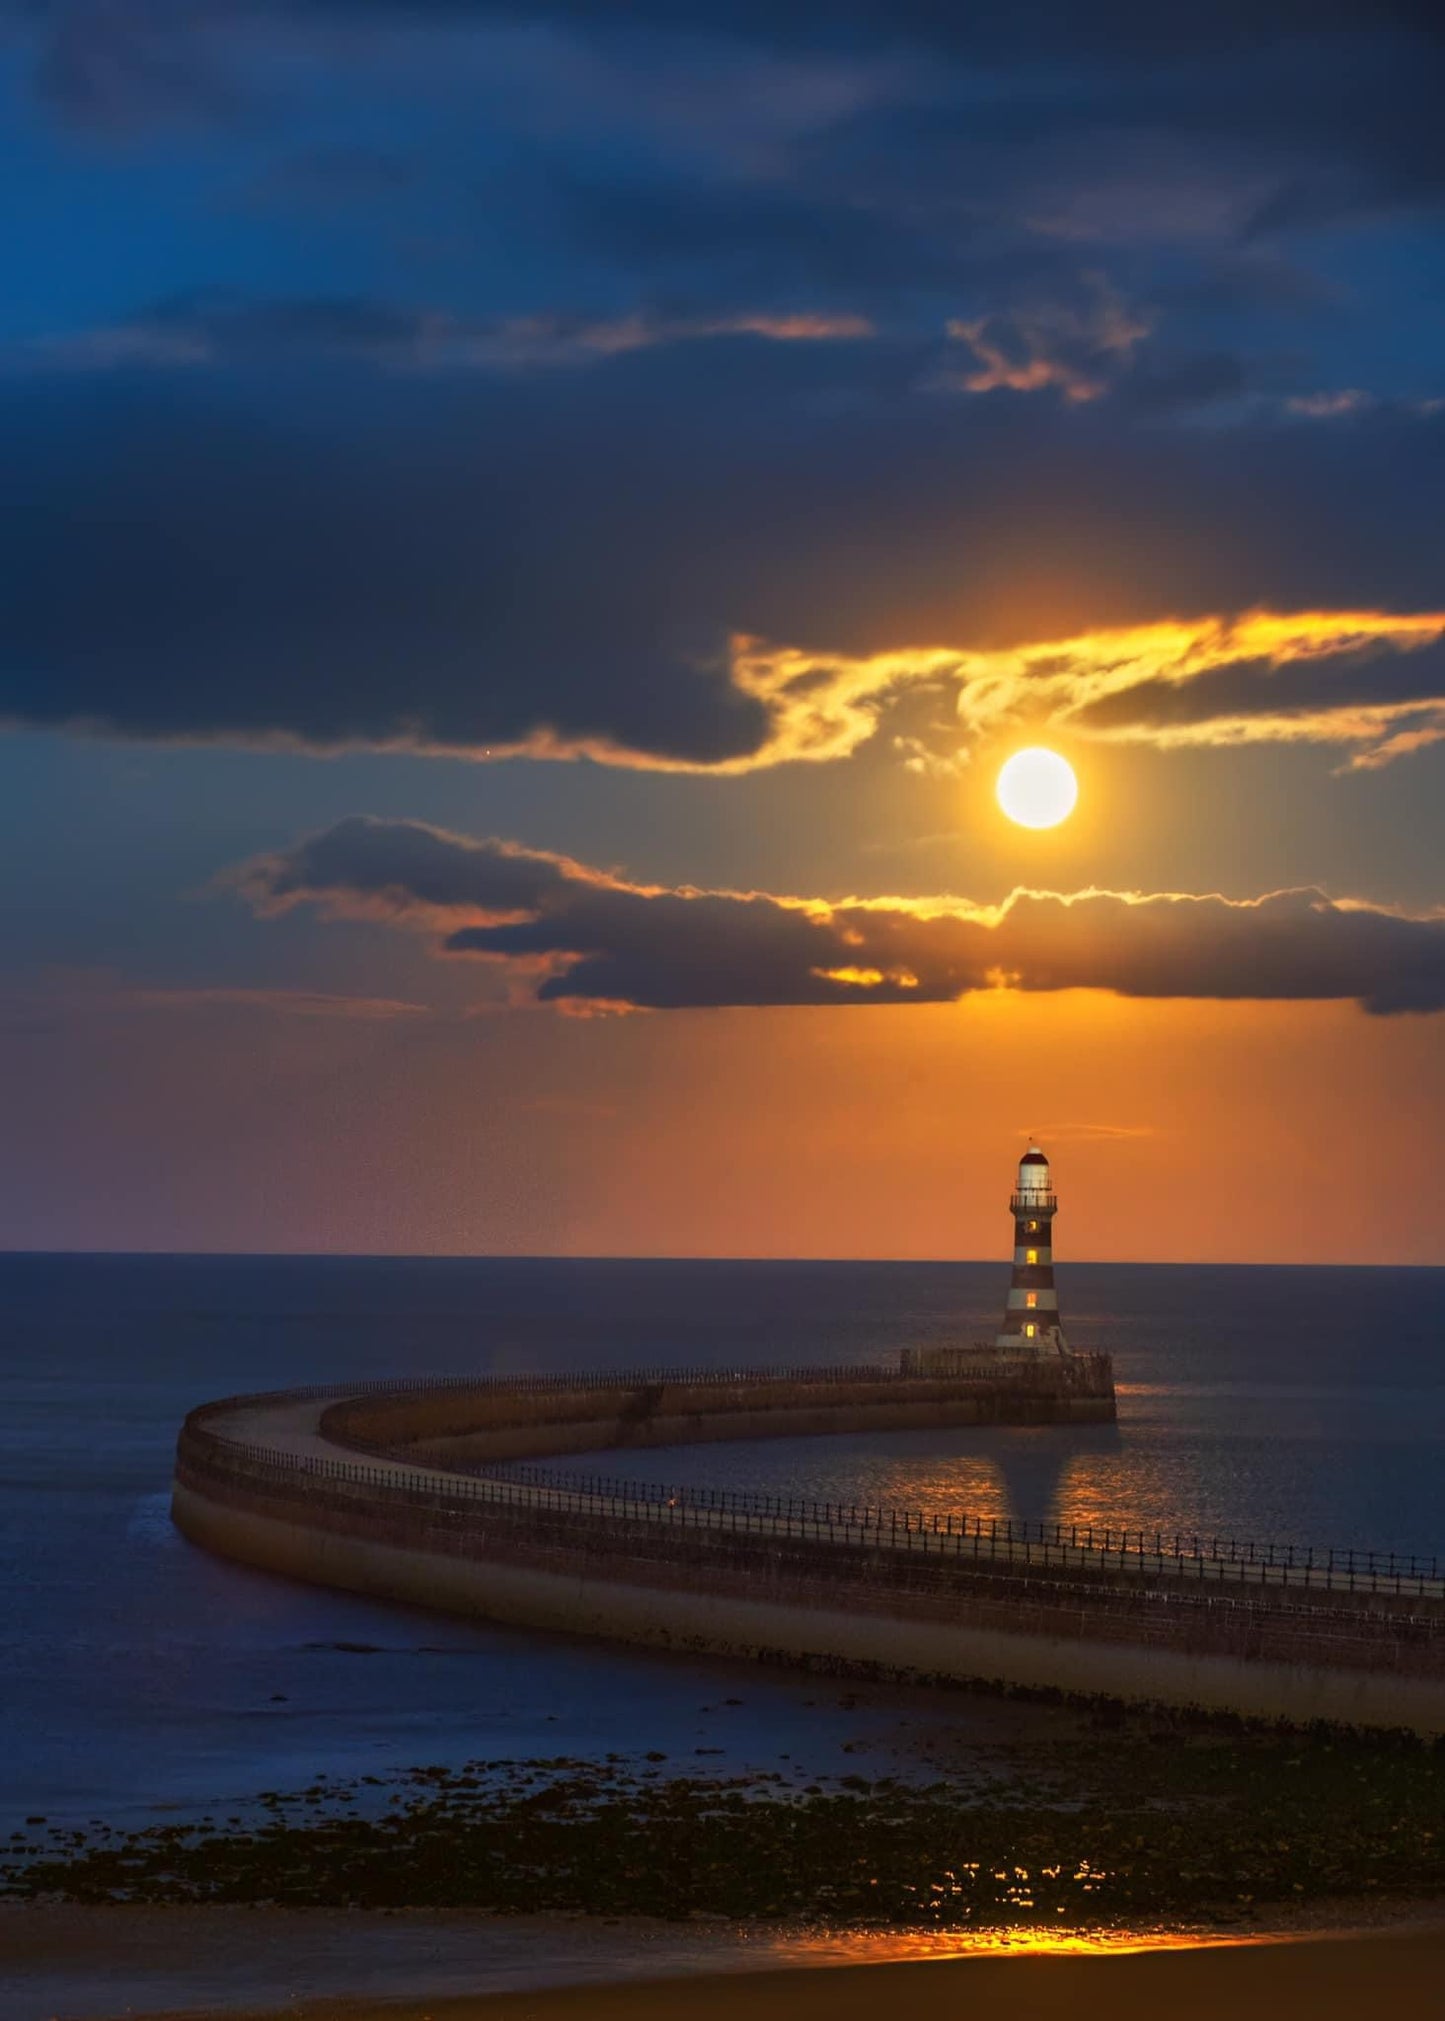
(135, 1672)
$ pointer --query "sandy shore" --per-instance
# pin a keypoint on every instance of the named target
(64, 1963)
(1328, 1979)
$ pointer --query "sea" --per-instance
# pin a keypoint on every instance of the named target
(141, 1679)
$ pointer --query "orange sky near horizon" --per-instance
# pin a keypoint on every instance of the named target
(1289, 1132)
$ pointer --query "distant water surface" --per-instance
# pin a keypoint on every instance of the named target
(1295, 1404)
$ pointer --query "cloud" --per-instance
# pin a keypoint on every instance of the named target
(295, 1003)
(1092, 1133)
(123, 65)
(1370, 680)
(716, 516)
(1314, 114)
(1329, 406)
(1179, 385)
(582, 938)
(1075, 349)
(771, 238)
(1364, 680)
(64, 995)
(214, 328)
(709, 556)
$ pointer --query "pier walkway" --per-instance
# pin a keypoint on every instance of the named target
(432, 1492)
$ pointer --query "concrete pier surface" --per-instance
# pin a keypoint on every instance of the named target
(413, 1492)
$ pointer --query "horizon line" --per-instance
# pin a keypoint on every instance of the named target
(570, 1256)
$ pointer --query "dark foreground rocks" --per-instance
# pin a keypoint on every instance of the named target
(1114, 1827)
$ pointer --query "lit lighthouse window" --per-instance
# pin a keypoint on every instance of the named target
(1031, 1299)
(1030, 1331)
(1032, 1257)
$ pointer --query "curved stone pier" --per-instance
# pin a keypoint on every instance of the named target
(413, 1493)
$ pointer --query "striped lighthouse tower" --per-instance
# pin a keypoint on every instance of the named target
(1031, 1317)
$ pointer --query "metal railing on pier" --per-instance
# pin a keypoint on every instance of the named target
(1331, 1566)
(1046, 1548)
(417, 1489)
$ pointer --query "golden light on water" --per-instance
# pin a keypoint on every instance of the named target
(1037, 788)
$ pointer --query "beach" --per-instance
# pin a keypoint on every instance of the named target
(1332, 1980)
(99, 1964)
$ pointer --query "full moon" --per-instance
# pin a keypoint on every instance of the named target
(1037, 788)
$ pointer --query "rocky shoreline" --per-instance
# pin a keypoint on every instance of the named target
(1113, 1825)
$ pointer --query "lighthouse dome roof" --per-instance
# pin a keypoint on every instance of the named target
(1033, 1156)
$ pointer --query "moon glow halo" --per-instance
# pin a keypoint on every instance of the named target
(1037, 788)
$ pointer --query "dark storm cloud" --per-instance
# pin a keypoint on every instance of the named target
(180, 566)
(1242, 151)
(1113, 30)
(557, 562)
(497, 521)
(138, 62)
(737, 235)
(1368, 677)
(1342, 92)
(586, 938)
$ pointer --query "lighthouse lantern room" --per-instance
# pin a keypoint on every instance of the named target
(1031, 1325)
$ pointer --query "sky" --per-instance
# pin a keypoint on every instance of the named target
(528, 532)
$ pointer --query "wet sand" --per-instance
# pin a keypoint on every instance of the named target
(66, 1963)
(1328, 1979)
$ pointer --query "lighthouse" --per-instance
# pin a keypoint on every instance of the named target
(1031, 1317)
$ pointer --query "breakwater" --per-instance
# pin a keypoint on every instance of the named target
(413, 1492)
(461, 1424)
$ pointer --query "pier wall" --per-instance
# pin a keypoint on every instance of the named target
(469, 1428)
(795, 1614)
(271, 1483)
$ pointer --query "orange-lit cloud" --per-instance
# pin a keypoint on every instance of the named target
(1076, 350)
(1370, 681)
(606, 944)
(868, 978)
